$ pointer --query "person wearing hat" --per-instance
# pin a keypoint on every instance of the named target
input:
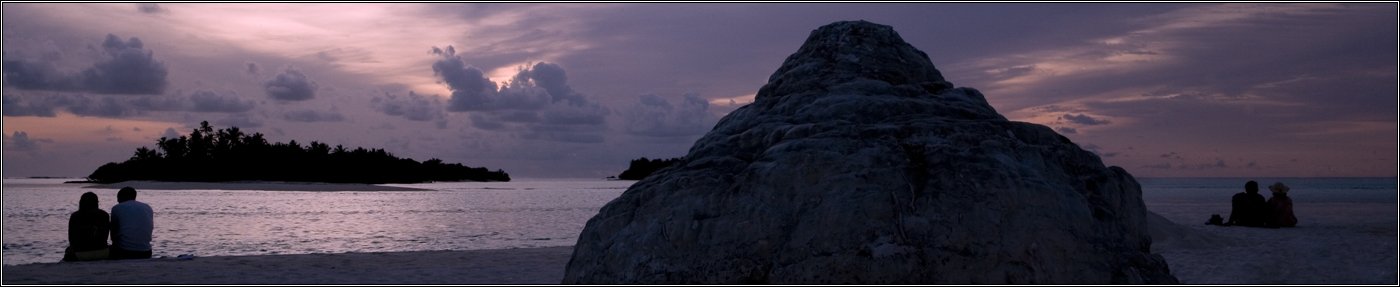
(1281, 207)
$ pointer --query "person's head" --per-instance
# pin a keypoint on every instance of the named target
(1279, 188)
(1250, 187)
(87, 201)
(127, 193)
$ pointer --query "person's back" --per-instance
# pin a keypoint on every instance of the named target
(1248, 208)
(132, 225)
(87, 231)
(1281, 207)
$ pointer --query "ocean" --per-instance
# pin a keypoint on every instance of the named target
(473, 215)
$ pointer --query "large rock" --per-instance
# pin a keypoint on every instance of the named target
(859, 163)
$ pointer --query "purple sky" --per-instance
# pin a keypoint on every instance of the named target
(577, 90)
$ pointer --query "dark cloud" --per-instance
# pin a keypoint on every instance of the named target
(290, 85)
(99, 106)
(157, 103)
(537, 102)
(37, 76)
(585, 114)
(20, 141)
(1067, 130)
(471, 90)
(554, 80)
(413, 107)
(252, 69)
(127, 68)
(310, 116)
(150, 8)
(131, 70)
(109, 106)
(519, 116)
(484, 122)
(14, 106)
(214, 102)
(654, 116)
(1083, 119)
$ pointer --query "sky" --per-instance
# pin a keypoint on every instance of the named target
(578, 90)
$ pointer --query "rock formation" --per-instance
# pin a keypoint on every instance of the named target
(859, 163)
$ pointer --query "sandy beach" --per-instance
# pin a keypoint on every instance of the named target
(252, 185)
(506, 266)
(1325, 252)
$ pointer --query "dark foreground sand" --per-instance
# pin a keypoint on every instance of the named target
(506, 266)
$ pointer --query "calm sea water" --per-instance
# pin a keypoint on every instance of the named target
(453, 216)
(459, 216)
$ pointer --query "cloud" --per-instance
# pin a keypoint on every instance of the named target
(37, 76)
(1067, 130)
(290, 85)
(484, 122)
(127, 68)
(310, 116)
(101, 106)
(537, 102)
(413, 107)
(109, 106)
(157, 103)
(131, 70)
(584, 114)
(14, 106)
(20, 141)
(213, 102)
(654, 116)
(471, 90)
(252, 69)
(1170, 155)
(151, 8)
(1083, 119)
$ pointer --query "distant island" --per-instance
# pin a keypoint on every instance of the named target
(642, 167)
(207, 155)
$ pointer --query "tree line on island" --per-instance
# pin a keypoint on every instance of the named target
(642, 167)
(208, 155)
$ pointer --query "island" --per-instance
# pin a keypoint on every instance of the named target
(209, 155)
(642, 167)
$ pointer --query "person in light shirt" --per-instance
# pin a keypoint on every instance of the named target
(132, 223)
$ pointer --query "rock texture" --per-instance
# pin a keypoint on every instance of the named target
(859, 163)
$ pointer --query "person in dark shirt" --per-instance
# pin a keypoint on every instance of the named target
(87, 231)
(1248, 208)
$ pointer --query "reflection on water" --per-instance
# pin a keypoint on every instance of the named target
(460, 216)
(453, 216)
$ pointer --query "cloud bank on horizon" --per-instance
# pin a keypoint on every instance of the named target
(577, 90)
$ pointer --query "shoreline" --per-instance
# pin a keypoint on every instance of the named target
(540, 265)
(252, 185)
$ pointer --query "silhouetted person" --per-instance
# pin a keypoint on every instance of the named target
(132, 222)
(1248, 208)
(1281, 207)
(87, 231)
